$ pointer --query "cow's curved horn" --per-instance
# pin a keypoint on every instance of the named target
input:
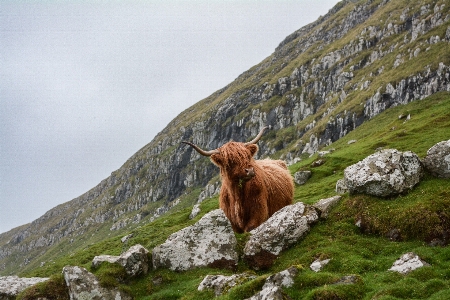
(256, 139)
(201, 151)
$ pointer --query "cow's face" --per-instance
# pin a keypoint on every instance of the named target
(235, 161)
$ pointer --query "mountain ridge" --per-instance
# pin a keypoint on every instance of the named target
(321, 82)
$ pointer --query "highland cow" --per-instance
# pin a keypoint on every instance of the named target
(252, 190)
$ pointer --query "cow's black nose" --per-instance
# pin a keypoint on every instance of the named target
(250, 172)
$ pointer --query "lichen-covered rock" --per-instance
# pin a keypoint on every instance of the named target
(281, 230)
(282, 279)
(221, 284)
(134, 260)
(85, 285)
(209, 242)
(326, 205)
(301, 177)
(271, 292)
(385, 173)
(11, 286)
(272, 287)
(437, 161)
(407, 263)
(341, 188)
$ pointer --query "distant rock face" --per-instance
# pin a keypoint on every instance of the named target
(281, 230)
(85, 285)
(407, 263)
(386, 173)
(209, 242)
(11, 286)
(437, 161)
(134, 260)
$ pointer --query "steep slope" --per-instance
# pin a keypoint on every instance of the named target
(321, 82)
(365, 253)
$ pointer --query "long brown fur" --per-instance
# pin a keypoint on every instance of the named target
(248, 202)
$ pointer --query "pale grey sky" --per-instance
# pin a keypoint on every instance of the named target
(86, 84)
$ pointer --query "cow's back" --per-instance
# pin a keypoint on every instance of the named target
(279, 184)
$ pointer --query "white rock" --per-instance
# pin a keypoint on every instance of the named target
(407, 263)
(318, 264)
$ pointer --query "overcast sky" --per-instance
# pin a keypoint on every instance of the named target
(86, 84)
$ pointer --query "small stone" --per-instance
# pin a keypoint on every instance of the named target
(318, 264)
(407, 263)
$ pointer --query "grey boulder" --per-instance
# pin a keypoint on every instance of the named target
(279, 232)
(209, 242)
(134, 260)
(386, 173)
(437, 161)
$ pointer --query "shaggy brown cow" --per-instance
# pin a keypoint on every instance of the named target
(252, 190)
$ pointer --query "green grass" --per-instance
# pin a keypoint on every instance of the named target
(366, 253)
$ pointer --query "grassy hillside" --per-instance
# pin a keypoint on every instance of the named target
(419, 216)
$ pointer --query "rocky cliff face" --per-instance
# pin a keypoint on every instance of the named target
(321, 82)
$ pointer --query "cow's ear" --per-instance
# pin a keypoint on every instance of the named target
(253, 148)
(217, 159)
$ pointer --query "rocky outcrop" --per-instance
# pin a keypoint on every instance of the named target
(134, 260)
(408, 262)
(85, 285)
(209, 242)
(386, 173)
(11, 286)
(437, 161)
(280, 231)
